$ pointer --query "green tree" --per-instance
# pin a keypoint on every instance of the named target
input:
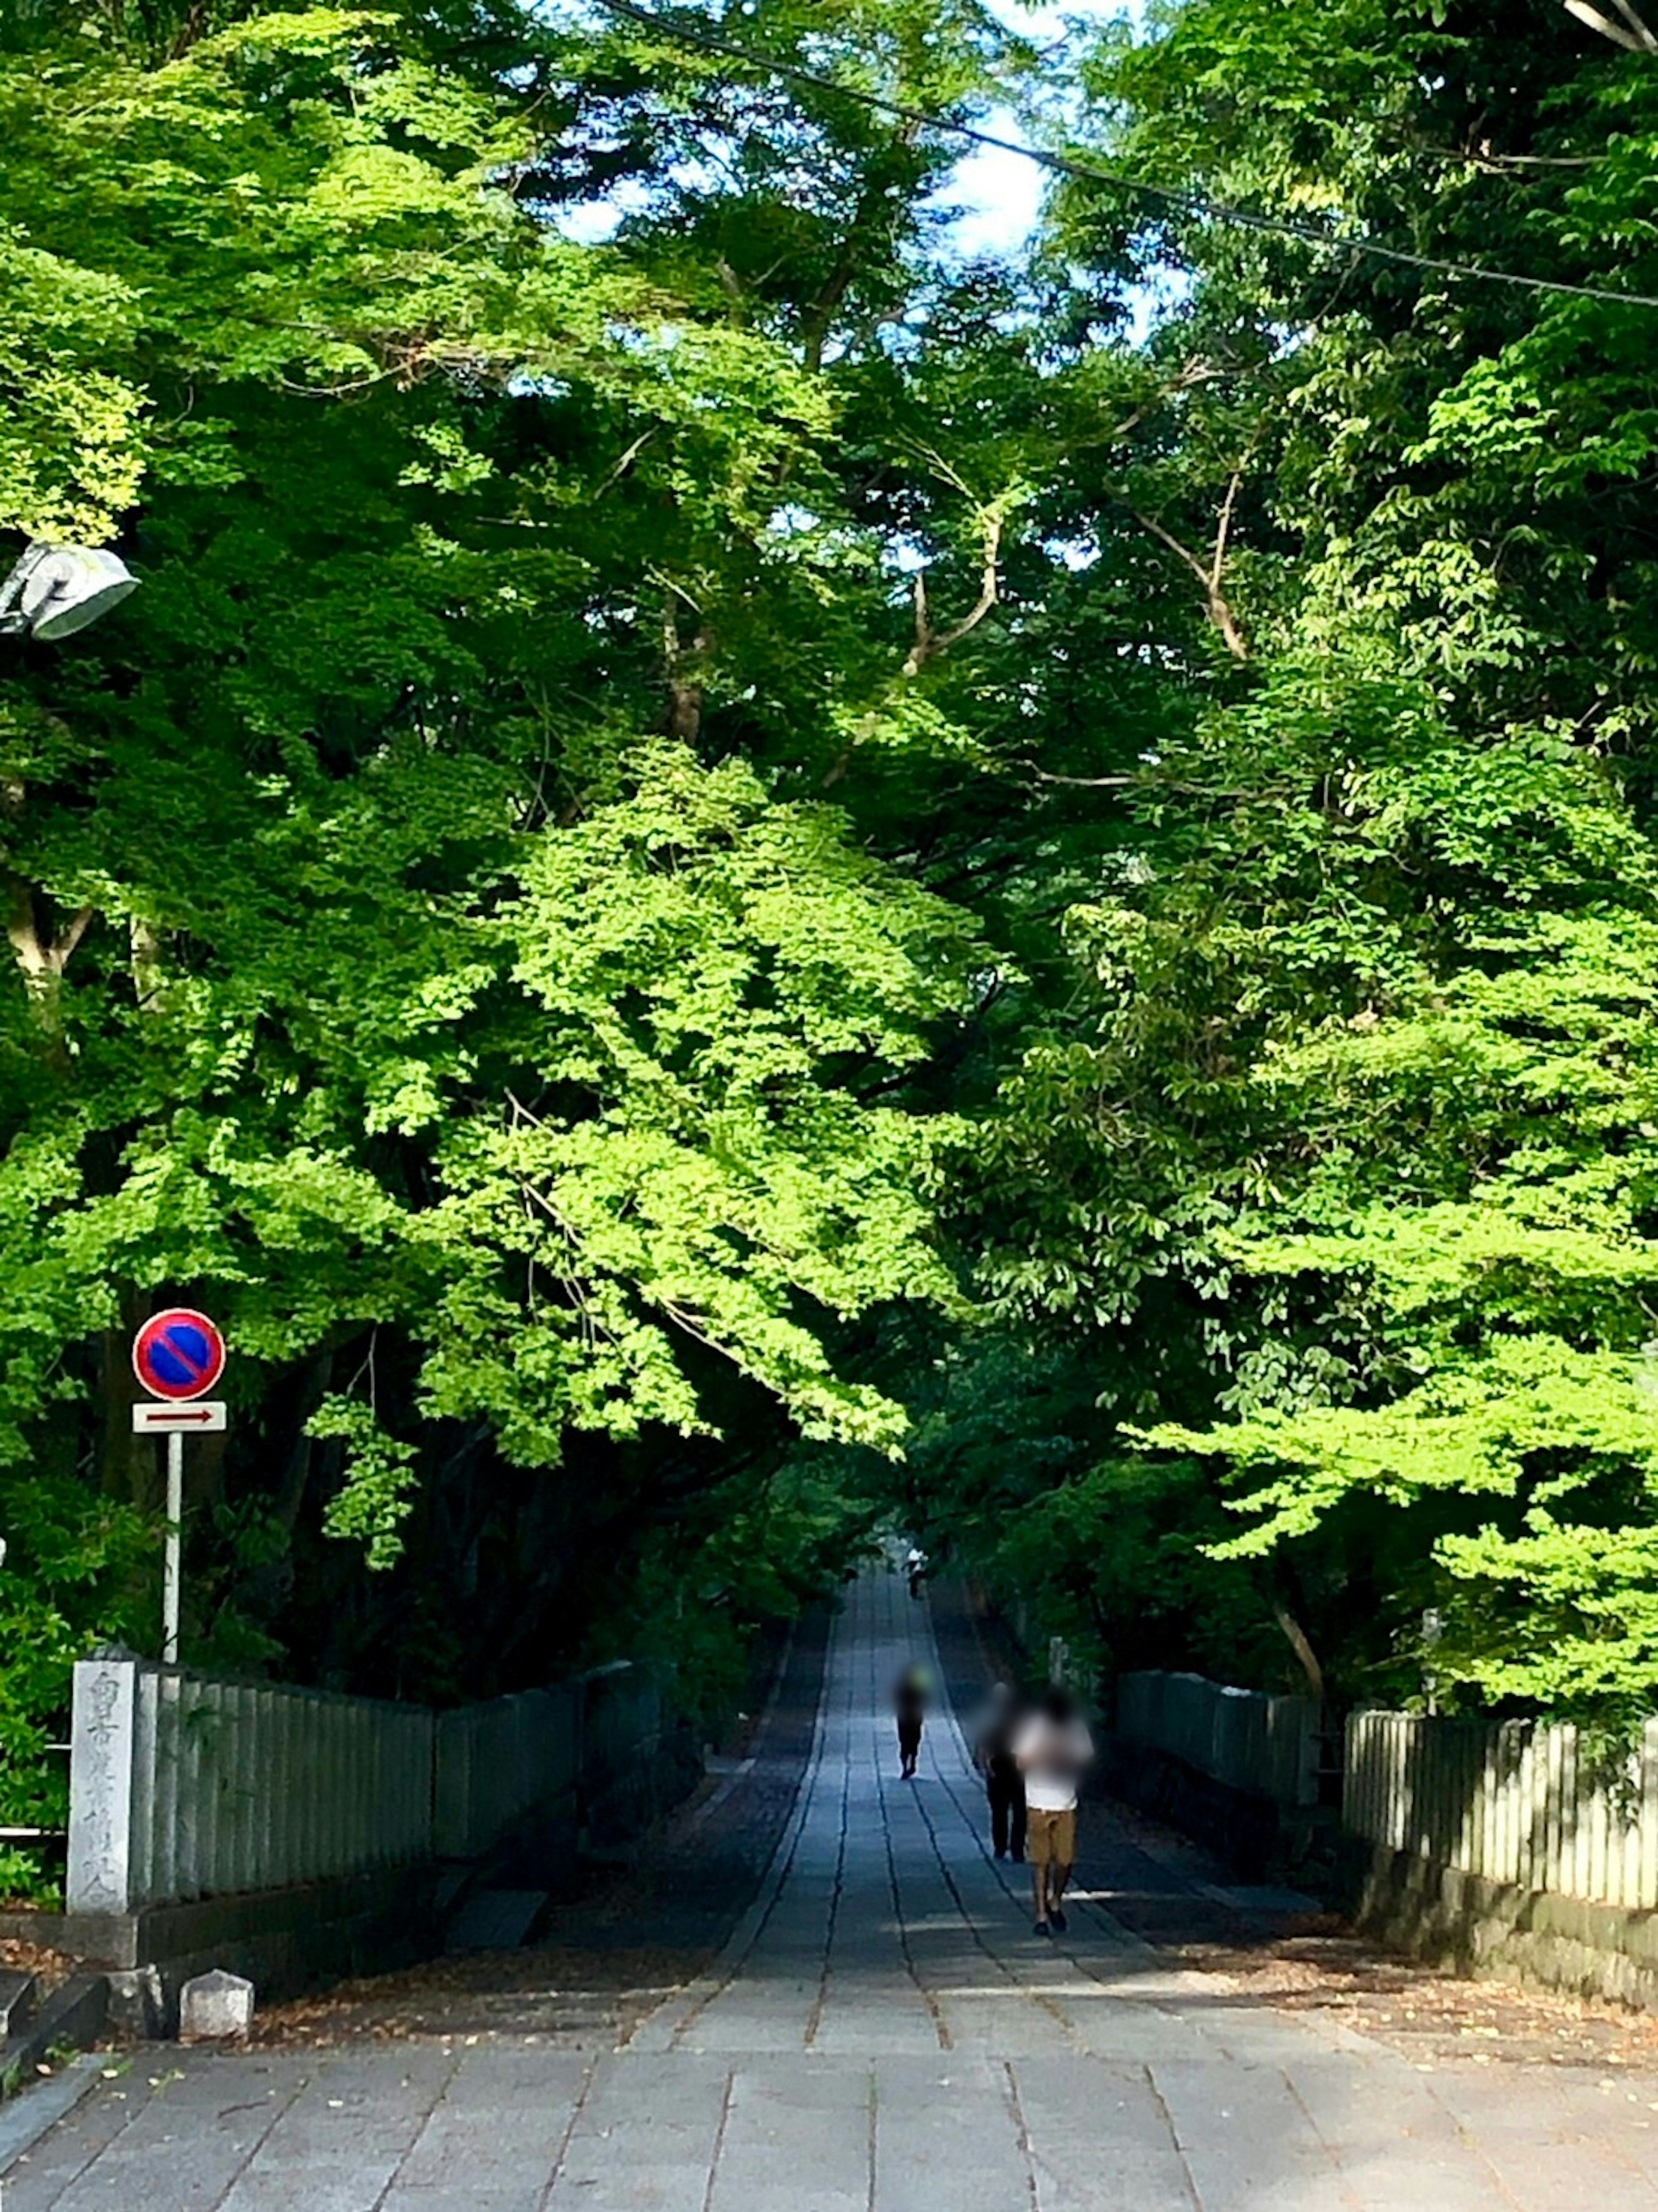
(1326, 1159)
(435, 947)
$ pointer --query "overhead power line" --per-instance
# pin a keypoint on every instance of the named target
(1066, 165)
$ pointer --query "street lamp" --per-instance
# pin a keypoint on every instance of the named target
(56, 590)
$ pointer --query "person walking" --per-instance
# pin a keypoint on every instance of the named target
(909, 1703)
(1052, 1751)
(992, 1752)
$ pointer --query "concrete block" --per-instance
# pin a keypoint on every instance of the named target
(137, 2004)
(213, 2006)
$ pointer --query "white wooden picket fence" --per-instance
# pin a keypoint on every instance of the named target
(1532, 1807)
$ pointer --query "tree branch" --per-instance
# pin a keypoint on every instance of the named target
(626, 463)
(1225, 525)
(1635, 38)
(1088, 782)
(23, 931)
(989, 585)
(929, 643)
(817, 319)
(1220, 611)
(1194, 373)
(79, 922)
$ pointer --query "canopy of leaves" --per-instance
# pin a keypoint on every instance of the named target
(1331, 1161)
(735, 873)
(437, 947)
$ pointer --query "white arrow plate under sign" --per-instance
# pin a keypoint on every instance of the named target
(193, 1417)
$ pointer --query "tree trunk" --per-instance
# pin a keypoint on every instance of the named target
(128, 1467)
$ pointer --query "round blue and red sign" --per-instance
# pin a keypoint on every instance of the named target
(178, 1354)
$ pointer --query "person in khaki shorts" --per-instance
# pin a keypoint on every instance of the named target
(1052, 1752)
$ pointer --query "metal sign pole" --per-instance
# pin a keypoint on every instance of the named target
(173, 1578)
(207, 1419)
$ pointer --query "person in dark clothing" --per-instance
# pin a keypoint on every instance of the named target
(993, 1750)
(909, 1702)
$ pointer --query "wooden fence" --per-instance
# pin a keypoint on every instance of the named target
(1535, 1808)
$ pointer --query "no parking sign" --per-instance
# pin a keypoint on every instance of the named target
(178, 1354)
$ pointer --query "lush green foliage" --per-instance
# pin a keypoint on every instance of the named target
(1334, 1168)
(437, 949)
(721, 844)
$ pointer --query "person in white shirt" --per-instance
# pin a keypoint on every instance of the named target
(1052, 1752)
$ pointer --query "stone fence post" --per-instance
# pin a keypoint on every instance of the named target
(103, 1816)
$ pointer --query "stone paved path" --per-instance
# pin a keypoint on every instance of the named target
(882, 2034)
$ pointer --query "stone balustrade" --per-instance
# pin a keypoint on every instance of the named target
(1265, 1746)
(183, 1786)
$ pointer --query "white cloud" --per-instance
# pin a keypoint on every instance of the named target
(1000, 193)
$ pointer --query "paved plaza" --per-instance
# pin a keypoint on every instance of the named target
(882, 2033)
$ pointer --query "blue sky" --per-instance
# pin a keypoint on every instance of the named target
(999, 195)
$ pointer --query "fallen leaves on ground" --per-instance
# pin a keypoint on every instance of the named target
(48, 1966)
(551, 1990)
(1320, 1966)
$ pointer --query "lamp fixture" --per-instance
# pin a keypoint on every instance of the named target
(1625, 29)
(56, 590)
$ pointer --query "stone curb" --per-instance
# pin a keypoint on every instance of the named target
(74, 2015)
(27, 2117)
